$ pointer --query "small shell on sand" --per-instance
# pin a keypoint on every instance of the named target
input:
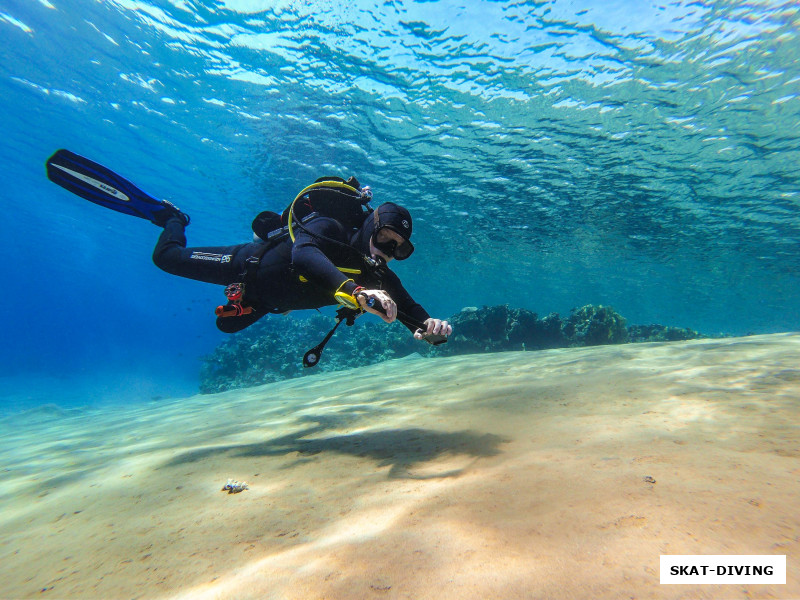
(234, 487)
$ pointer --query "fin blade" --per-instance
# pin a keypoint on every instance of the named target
(96, 183)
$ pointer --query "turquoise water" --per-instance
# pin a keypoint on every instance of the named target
(554, 154)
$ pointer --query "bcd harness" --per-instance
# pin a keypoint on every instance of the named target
(344, 201)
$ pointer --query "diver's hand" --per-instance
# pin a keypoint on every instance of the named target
(434, 327)
(373, 301)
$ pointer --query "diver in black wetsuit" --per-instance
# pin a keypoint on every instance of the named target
(327, 247)
(324, 265)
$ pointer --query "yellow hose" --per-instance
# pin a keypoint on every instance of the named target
(314, 186)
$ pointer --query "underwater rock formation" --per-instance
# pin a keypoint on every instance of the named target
(500, 328)
(661, 333)
(273, 348)
(595, 326)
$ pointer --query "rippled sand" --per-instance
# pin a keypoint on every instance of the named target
(516, 475)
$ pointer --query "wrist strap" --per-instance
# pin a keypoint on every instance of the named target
(345, 299)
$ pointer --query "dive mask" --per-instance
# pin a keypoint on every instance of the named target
(390, 246)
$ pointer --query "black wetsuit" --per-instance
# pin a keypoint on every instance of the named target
(277, 286)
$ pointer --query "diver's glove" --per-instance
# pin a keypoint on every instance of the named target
(434, 327)
(378, 303)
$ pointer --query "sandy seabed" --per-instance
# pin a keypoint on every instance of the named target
(514, 475)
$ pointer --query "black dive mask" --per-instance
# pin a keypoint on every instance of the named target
(390, 247)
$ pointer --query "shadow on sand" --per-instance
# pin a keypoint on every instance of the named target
(400, 448)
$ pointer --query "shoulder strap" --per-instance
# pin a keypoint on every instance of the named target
(250, 272)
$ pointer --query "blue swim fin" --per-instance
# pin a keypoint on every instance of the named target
(102, 186)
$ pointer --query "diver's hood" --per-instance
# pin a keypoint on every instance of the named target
(387, 214)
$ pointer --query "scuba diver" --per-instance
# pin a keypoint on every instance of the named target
(328, 247)
(323, 266)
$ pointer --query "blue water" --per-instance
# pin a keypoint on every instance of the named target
(554, 154)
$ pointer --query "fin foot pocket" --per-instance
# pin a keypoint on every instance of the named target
(170, 211)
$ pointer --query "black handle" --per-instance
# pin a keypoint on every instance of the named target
(434, 339)
(311, 358)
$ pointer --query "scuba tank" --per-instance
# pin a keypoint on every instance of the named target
(344, 201)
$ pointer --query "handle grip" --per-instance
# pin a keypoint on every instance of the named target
(434, 339)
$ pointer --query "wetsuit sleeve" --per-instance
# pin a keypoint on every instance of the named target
(310, 255)
(405, 303)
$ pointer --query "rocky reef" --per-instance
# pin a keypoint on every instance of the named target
(273, 348)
